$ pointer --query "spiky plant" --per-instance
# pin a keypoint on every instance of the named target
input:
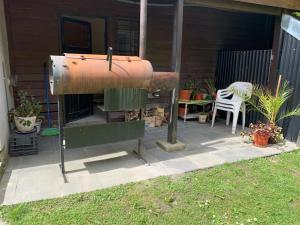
(210, 86)
(271, 105)
(297, 14)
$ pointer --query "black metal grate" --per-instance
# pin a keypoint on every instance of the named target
(249, 66)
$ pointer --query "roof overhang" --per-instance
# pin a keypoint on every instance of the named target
(236, 5)
(284, 4)
(271, 7)
(251, 6)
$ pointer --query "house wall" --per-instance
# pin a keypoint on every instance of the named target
(5, 95)
(34, 35)
(207, 30)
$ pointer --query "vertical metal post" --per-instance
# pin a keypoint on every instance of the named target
(60, 99)
(143, 28)
(140, 140)
(142, 53)
(176, 66)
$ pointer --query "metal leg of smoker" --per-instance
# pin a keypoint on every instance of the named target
(61, 135)
(140, 143)
(138, 152)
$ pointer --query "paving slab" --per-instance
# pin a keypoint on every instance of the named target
(30, 178)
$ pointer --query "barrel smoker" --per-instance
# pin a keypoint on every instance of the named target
(125, 82)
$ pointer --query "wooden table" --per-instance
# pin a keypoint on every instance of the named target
(192, 102)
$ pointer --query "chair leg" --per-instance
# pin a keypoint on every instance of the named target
(244, 116)
(214, 117)
(234, 122)
(228, 118)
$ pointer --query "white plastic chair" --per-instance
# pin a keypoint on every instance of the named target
(230, 100)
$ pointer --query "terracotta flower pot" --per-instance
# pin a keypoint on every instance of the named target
(185, 94)
(199, 96)
(260, 140)
(181, 111)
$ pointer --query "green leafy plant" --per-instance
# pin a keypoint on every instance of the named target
(297, 14)
(188, 85)
(198, 88)
(210, 86)
(271, 130)
(271, 105)
(27, 107)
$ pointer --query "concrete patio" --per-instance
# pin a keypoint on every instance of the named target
(36, 177)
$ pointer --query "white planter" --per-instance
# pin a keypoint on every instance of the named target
(38, 125)
(20, 123)
(202, 118)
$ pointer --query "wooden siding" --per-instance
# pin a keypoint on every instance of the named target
(33, 29)
(207, 30)
(286, 4)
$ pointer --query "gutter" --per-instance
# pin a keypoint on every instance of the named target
(291, 25)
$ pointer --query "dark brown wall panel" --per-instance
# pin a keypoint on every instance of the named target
(33, 27)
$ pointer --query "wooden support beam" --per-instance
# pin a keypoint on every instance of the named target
(277, 37)
(143, 29)
(231, 5)
(176, 66)
(285, 4)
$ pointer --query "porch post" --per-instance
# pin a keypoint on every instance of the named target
(276, 48)
(142, 54)
(176, 65)
(143, 28)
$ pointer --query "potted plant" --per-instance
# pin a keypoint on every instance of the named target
(211, 88)
(259, 134)
(186, 90)
(271, 107)
(38, 123)
(262, 134)
(276, 135)
(199, 91)
(26, 112)
(199, 96)
(181, 110)
(203, 117)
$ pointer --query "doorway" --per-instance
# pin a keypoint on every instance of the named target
(87, 36)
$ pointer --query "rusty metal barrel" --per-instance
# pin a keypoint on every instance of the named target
(86, 74)
(89, 74)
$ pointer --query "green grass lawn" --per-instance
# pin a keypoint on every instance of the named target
(262, 191)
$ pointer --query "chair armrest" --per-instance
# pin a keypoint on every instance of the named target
(223, 93)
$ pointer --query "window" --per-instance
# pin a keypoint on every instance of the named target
(127, 36)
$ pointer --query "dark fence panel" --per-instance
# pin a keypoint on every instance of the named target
(249, 66)
(289, 68)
